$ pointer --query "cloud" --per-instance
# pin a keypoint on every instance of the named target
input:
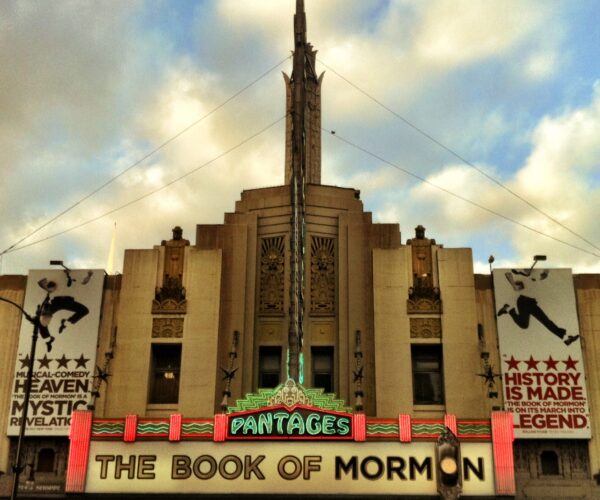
(554, 177)
(88, 90)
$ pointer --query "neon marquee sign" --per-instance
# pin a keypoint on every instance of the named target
(299, 422)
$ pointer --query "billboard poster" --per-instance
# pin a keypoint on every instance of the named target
(63, 365)
(542, 363)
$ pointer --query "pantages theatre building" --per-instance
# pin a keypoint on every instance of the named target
(300, 349)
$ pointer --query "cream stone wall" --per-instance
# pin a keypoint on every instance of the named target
(130, 368)
(355, 302)
(486, 317)
(587, 290)
(459, 334)
(107, 336)
(393, 371)
(11, 288)
(202, 280)
(128, 386)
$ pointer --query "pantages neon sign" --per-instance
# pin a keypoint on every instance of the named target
(299, 422)
(356, 455)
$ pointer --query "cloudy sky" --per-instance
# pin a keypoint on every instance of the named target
(89, 88)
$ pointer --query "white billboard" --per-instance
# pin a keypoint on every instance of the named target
(542, 363)
(65, 358)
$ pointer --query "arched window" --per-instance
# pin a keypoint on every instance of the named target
(45, 461)
(549, 461)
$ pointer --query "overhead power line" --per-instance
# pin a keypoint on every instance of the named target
(139, 198)
(143, 158)
(451, 193)
(459, 157)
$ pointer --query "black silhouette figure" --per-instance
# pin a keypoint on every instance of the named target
(526, 307)
(63, 303)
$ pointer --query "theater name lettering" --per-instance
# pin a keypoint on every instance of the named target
(289, 467)
(300, 467)
(281, 422)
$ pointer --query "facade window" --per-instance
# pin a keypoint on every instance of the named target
(164, 377)
(428, 383)
(322, 367)
(549, 462)
(45, 460)
(269, 366)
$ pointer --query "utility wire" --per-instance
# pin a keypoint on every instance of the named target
(458, 156)
(489, 210)
(164, 186)
(145, 157)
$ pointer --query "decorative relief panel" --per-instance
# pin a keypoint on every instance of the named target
(572, 455)
(322, 275)
(272, 279)
(167, 328)
(423, 301)
(170, 298)
(425, 328)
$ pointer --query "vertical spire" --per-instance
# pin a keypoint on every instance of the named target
(297, 191)
(303, 91)
(300, 23)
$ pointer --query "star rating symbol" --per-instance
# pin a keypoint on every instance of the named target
(551, 363)
(513, 364)
(44, 362)
(532, 363)
(25, 362)
(570, 363)
(63, 362)
(81, 362)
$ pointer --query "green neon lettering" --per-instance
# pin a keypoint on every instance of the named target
(280, 417)
(265, 423)
(295, 422)
(236, 425)
(313, 428)
(343, 426)
(250, 426)
(328, 424)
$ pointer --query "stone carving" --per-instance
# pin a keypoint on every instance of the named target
(417, 304)
(170, 298)
(167, 328)
(425, 328)
(272, 259)
(423, 297)
(174, 253)
(322, 273)
(290, 395)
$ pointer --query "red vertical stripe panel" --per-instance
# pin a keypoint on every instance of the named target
(175, 427)
(220, 430)
(130, 428)
(404, 428)
(503, 436)
(79, 449)
(360, 427)
(450, 422)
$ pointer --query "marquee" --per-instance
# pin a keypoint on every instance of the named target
(286, 440)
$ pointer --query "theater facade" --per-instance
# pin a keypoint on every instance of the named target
(301, 349)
